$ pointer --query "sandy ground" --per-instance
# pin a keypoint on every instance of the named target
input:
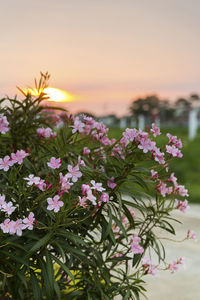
(184, 284)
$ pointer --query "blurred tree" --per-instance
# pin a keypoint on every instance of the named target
(182, 103)
(194, 97)
(152, 107)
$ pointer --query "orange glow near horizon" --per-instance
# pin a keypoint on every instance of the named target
(54, 94)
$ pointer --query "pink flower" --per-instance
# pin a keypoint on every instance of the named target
(85, 188)
(111, 183)
(191, 235)
(172, 139)
(86, 150)
(175, 152)
(148, 267)
(182, 206)
(154, 174)
(18, 156)
(181, 191)
(65, 184)
(91, 197)
(173, 267)
(97, 186)
(54, 203)
(130, 134)
(32, 180)
(8, 208)
(41, 185)
(146, 145)
(82, 201)
(54, 163)
(46, 132)
(181, 261)
(78, 126)
(155, 130)
(104, 197)
(3, 124)
(5, 163)
(163, 189)
(135, 247)
(81, 162)
(28, 222)
(16, 227)
(74, 173)
(173, 179)
(2, 200)
(5, 226)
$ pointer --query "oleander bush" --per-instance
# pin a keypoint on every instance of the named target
(78, 210)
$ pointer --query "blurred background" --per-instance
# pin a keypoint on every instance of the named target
(128, 63)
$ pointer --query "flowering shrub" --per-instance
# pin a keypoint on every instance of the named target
(78, 210)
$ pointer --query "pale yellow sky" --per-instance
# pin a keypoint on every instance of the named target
(106, 52)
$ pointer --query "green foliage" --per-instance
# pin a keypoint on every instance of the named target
(76, 253)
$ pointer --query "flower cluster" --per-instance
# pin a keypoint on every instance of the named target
(11, 226)
(46, 132)
(15, 158)
(88, 191)
(135, 247)
(148, 267)
(37, 181)
(174, 266)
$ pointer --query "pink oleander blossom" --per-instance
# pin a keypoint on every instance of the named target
(181, 261)
(65, 183)
(32, 180)
(97, 186)
(54, 203)
(173, 179)
(82, 201)
(74, 173)
(85, 188)
(163, 189)
(29, 221)
(16, 227)
(54, 163)
(175, 152)
(111, 184)
(5, 163)
(155, 130)
(191, 235)
(182, 205)
(19, 156)
(130, 134)
(135, 247)
(5, 226)
(8, 208)
(41, 185)
(149, 267)
(154, 174)
(104, 197)
(4, 125)
(181, 191)
(2, 200)
(81, 161)
(91, 197)
(173, 267)
(46, 132)
(86, 151)
(78, 126)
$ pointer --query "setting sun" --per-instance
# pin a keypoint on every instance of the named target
(54, 94)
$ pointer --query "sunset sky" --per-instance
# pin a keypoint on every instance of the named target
(104, 52)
